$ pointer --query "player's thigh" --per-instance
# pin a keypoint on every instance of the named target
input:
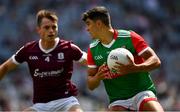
(151, 106)
(117, 108)
(75, 108)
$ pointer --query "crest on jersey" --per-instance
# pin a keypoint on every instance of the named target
(61, 55)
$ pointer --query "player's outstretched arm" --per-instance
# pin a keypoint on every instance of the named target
(6, 67)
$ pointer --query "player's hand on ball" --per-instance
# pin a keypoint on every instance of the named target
(125, 68)
(119, 60)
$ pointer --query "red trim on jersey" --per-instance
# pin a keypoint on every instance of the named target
(115, 34)
(145, 101)
(90, 60)
(138, 42)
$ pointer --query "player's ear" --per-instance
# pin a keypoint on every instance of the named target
(98, 22)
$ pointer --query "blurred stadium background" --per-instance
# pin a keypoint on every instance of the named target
(157, 20)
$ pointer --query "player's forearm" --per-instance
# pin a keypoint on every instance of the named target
(6, 67)
(93, 82)
(150, 64)
(3, 71)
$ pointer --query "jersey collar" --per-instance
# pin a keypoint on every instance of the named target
(112, 42)
(49, 50)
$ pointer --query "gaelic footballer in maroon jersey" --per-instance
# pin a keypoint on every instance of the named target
(50, 62)
(51, 76)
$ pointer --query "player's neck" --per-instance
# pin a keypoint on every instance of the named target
(47, 44)
(107, 36)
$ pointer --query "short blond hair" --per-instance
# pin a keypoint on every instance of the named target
(45, 14)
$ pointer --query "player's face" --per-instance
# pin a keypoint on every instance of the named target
(48, 29)
(92, 28)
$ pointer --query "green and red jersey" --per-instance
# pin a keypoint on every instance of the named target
(122, 87)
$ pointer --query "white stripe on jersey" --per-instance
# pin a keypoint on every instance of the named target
(14, 60)
(84, 56)
(143, 51)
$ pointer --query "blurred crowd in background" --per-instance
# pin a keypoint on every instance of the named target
(158, 21)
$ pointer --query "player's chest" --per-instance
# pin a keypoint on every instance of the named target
(101, 53)
(52, 58)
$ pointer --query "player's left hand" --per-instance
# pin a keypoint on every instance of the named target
(125, 69)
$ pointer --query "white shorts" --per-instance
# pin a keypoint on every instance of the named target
(63, 104)
(135, 102)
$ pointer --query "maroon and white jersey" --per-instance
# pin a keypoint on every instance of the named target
(51, 70)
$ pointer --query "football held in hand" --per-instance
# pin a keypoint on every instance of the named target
(119, 55)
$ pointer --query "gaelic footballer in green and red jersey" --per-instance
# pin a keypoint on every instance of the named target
(121, 86)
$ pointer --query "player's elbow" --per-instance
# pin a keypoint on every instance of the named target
(91, 87)
(158, 62)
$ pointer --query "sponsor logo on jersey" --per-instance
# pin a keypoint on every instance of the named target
(98, 57)
(54, 73)
(33, 58)
(61, 55)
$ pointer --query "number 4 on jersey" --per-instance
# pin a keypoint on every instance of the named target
(47, 59)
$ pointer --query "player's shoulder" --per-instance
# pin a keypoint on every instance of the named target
(124, 33)
(94, 43)
(67, 44)
(29, 46)
(63, 42)
(31, 43)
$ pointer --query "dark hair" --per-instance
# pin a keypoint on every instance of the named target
(45, 14)
(97, 13)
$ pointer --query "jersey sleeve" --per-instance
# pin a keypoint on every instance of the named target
(90, 60)
(139, 43)
(19, 56)
(77, 53)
